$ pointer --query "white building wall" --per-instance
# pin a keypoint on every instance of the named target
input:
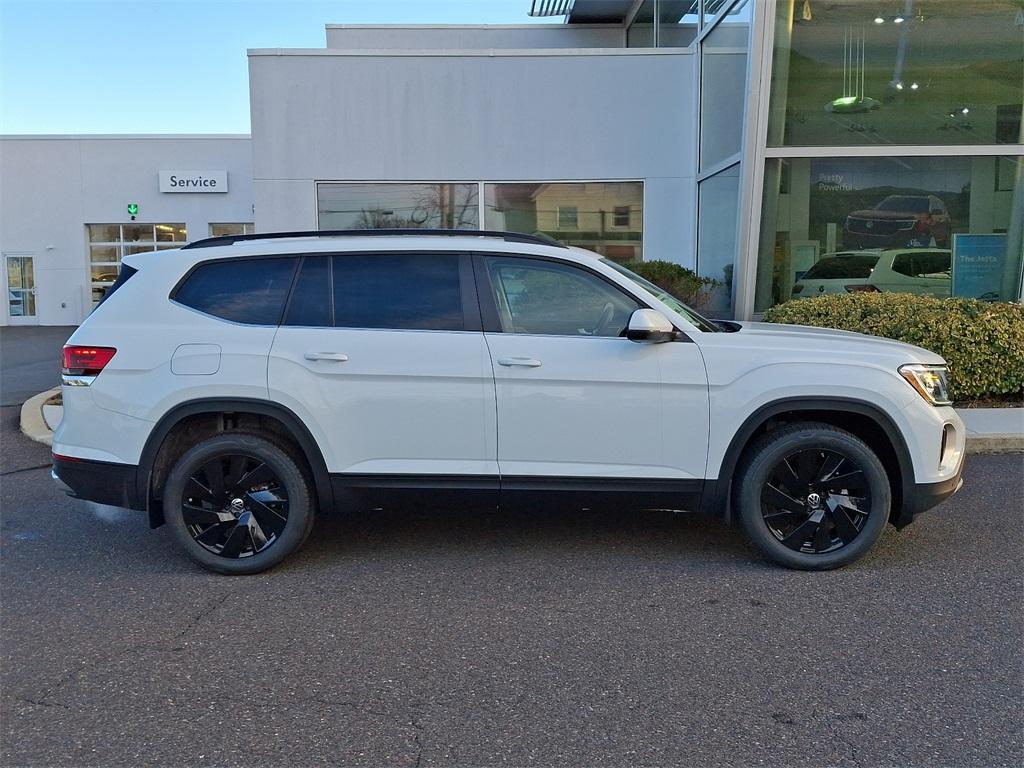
(51, 187)
(469, 36)
(469, 115)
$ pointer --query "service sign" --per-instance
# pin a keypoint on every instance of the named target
(193, 181)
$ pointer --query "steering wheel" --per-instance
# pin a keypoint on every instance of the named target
(606, 317)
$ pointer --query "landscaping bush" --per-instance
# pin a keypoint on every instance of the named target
(983, 342)
(685, 284)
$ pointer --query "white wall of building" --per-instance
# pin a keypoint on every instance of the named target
(339, 115)
(51, 187)
(468, 36)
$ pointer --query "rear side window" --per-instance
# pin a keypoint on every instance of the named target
(249, 291)
(414, 291)
(838, 267)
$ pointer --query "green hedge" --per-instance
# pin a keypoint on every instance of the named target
(983, 342)
(685, 284)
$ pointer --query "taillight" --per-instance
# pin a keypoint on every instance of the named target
(86, 361)
(860, 289)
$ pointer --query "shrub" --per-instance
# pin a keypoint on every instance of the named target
(983, 342)
(685, 284)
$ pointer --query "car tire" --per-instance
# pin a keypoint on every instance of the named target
(811, 496)
(239, 503)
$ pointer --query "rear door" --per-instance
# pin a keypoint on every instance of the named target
(383, 355)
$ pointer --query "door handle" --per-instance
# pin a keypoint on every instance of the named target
(522, 362)
(334, 357)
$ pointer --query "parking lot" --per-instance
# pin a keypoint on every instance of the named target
(518, 639)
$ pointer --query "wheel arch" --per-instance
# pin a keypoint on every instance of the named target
(224, 410)
(865, 420)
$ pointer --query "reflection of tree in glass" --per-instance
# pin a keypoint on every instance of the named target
(437, 206)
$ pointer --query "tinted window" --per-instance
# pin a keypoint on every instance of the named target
(832, 267)
(419, 291)
(540, 297)
(904, 204)
(904, 264)
(310, 303)
(243, 290)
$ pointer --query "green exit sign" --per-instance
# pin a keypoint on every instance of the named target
(133, 209)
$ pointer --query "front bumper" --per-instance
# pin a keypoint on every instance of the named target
(920, 497)
(99, 481)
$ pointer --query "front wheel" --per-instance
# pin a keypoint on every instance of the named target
(812, 496)
(238, 503)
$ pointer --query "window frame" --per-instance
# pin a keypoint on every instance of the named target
(490, 313)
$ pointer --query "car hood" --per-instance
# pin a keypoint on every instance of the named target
(804, 338)
(871, 213)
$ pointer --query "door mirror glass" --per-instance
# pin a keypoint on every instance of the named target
(651, 326)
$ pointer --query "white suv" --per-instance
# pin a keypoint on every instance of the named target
(236, 386)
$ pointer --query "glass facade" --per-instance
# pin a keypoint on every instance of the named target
(109, 242)
(232, 228)
(850, 72)
(605, 217)
(404, 206)
(947, 221)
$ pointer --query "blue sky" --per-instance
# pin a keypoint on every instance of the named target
(174, 66)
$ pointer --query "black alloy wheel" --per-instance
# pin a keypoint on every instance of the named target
(816, 501)
(240, 503)
(235, 506)
(812, 496)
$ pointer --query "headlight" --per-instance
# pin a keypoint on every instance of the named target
(930, 381)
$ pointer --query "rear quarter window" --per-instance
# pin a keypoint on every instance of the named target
(251, 291)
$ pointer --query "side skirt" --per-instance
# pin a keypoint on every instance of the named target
(488, 492)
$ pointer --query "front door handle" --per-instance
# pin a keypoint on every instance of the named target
(334, 357)
(522, 362)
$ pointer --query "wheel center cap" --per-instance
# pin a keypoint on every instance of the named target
(813, 500)
(237, 506)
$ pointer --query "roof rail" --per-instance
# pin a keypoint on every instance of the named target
(511, 237)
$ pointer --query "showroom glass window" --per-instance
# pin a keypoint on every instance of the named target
(861, 73)
(586, 214)
(935, 220)
(404, 206)
(109, 242)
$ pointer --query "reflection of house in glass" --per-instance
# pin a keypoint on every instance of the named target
(606, 217)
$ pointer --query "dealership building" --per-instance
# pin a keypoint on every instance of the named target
(748, 140)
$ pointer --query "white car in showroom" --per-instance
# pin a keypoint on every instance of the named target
(240, 385)
(918, 271)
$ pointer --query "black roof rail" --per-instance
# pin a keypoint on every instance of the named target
(511, 237)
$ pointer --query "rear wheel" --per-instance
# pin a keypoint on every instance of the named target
(812, 496)
(238, 503)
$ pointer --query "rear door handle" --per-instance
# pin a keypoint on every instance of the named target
(334, 357)
(522, 362)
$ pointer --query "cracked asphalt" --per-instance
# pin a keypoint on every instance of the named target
(508, 639)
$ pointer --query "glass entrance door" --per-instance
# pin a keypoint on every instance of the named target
(21, 290)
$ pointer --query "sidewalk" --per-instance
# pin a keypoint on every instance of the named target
(989, 430)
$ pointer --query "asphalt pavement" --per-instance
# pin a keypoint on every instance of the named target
(508, 639)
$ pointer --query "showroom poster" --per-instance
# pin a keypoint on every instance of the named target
(978, 262)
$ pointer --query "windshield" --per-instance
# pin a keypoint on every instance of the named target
(903, 204)
(842, 266)
(666, 298)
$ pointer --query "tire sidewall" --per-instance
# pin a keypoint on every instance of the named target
(300, 508)
(771, 452)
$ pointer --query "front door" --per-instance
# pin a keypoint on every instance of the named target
(384, 355)
(580, 407)
(21, 290)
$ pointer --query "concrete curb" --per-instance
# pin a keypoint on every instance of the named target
(1007, 443)
(33, 425)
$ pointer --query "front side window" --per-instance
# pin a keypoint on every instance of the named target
(544, 298)
(251, 291)
(410, 291)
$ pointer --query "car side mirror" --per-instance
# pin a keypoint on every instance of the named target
(651, 326)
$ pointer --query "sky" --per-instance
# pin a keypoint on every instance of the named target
(174, 66)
